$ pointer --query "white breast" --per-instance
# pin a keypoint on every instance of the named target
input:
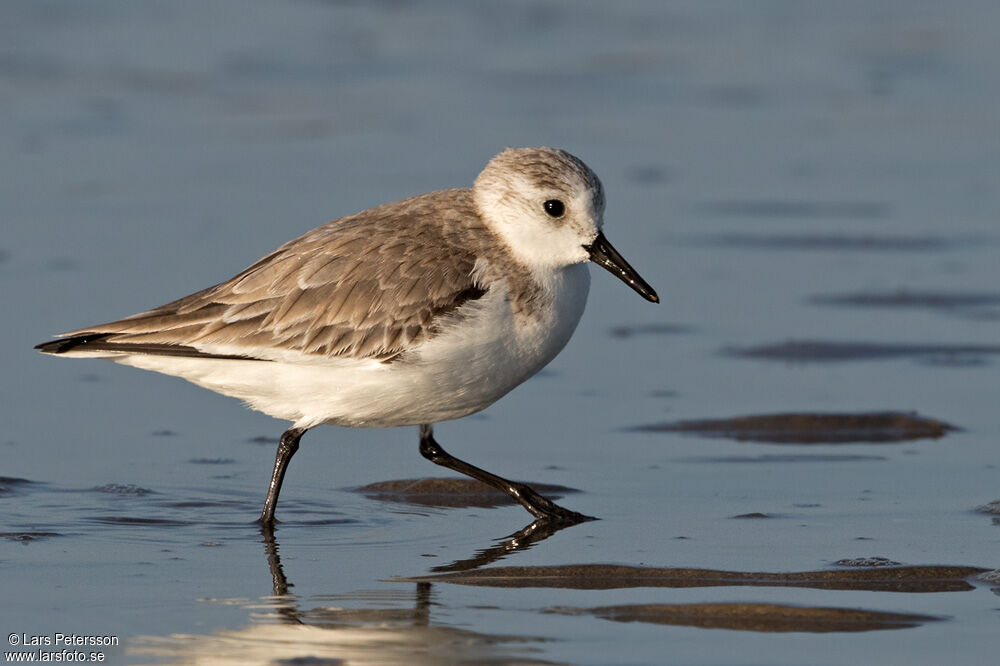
(484, 355)
(482, 352)
(480, 355)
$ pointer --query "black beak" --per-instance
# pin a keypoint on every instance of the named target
(603, 254)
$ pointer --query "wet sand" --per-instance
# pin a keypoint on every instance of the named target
(905, 298)
(758, 617)
(809, 189)
(450, 492)
(917, 579)
(830, 351)
(833, 242)
(872, 427)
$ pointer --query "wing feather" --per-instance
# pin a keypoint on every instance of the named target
(365, 286)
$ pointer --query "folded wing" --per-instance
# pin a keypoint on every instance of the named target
(368, 285)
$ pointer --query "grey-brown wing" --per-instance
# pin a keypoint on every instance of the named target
(364, 286)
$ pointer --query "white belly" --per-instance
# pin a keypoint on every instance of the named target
(474, 361)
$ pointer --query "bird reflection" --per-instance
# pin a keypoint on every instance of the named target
(286, 604)
(528, 536)
(324, 634)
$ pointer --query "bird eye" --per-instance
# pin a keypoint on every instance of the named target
(554, 207)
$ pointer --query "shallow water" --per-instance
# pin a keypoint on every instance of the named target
(810, 188)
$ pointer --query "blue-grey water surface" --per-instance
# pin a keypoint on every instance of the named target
(778, 171)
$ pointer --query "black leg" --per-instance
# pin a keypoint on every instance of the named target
(537, 505)
(287, 447)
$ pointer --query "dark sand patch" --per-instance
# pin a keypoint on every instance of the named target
(10, 483)
(450, 493)
(904, 298)
(610, 577)
(770, 459)
(867, 562)
(757, 617)
(625, 332)
(28, 537)
(830, 242)
(812, 428)
(993, 508)
(980, 306)
(824, 351)
(122, 489)
(321, 522)
(149, 522)
(209, 504)
(774, 208)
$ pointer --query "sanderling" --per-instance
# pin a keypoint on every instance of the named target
(409, 313)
